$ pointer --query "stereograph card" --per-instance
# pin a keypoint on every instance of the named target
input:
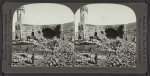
(74, 37)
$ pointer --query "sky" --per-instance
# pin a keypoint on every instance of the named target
(45, 13)
(107, 14)
(98, 14)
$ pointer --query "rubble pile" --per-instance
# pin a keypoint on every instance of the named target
(124, 55)
(56, 53)
(62, 55)
(118, 53)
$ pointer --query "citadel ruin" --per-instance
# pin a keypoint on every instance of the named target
(59, 45)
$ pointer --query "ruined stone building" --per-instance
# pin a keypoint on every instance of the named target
(83, 18)
(23, 31)
(87, 30)
(100, 31)
(66, 31)
(18, 24)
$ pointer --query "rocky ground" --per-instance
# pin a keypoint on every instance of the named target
(59, 53)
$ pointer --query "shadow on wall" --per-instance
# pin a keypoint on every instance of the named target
(112, 33)
(50, 33)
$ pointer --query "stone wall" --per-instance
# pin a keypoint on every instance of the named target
(67, 31)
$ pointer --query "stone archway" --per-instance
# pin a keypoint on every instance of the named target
(48, 33)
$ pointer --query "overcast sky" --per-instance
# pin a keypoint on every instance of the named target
(46, 13)
(107, 14)
(98, 14)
